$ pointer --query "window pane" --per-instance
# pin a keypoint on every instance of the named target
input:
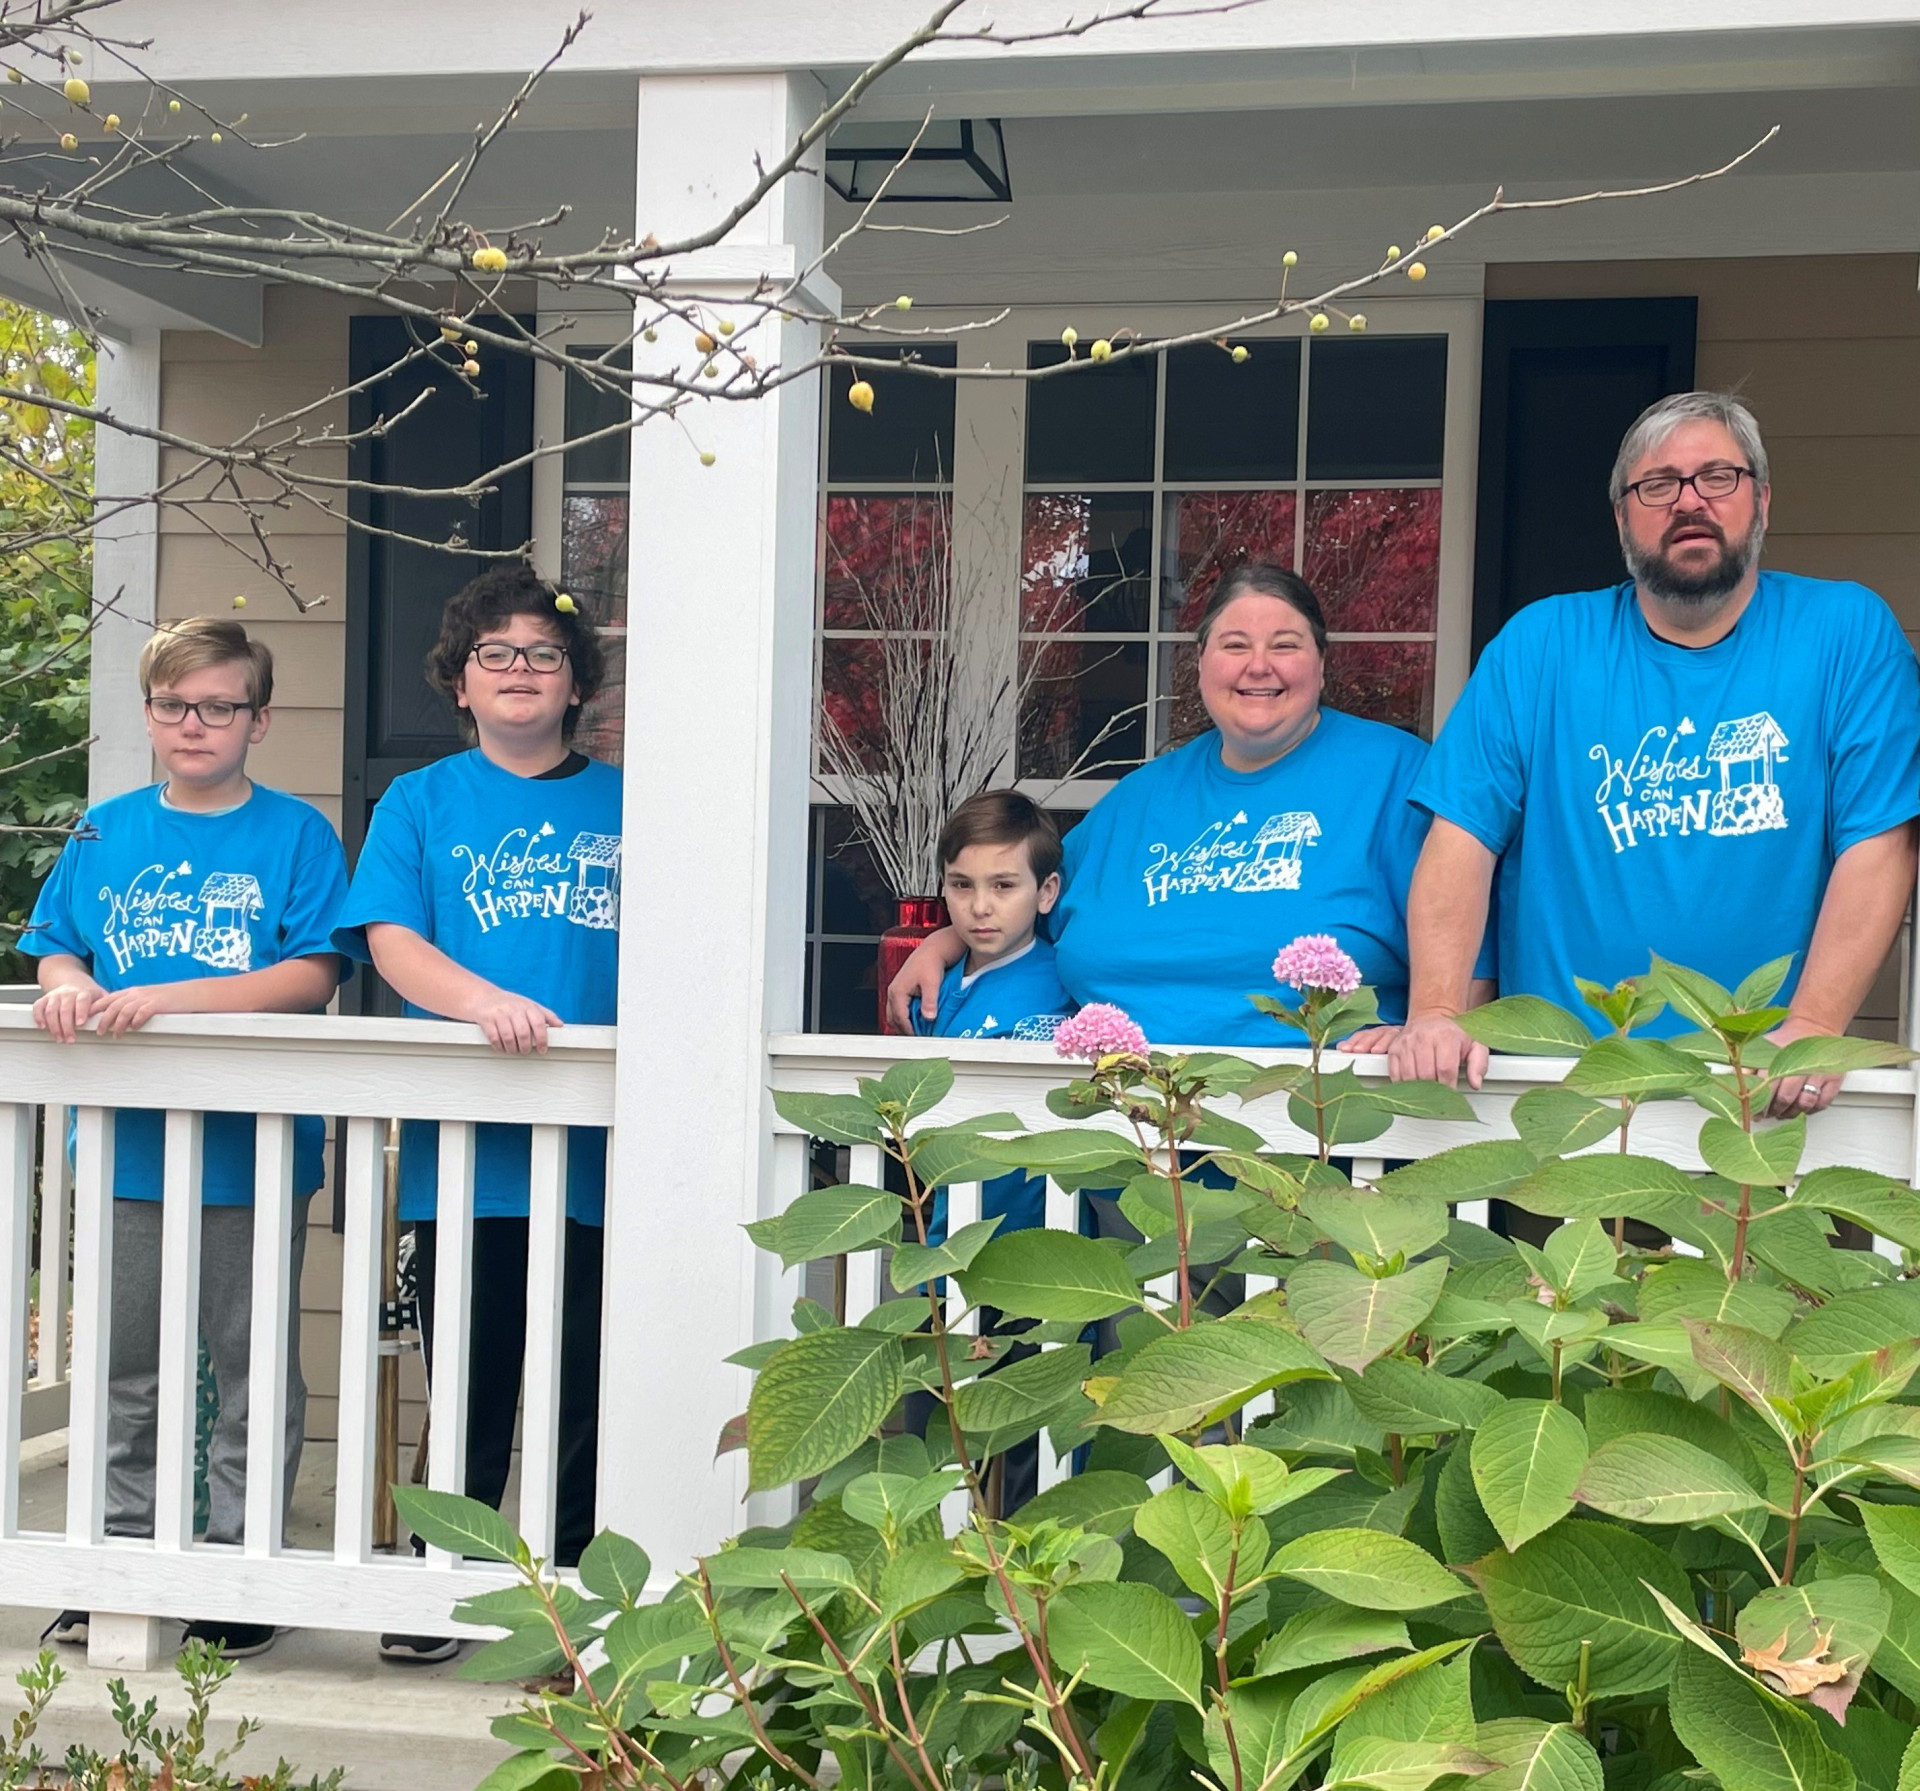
(854, 897)
(886, 562)
(589, 408)
(1095, 423)
(1082, 707)
(847, 998)
(1086, 563)
(909, 432)
(602, 732)
(1383, 680)
(1208, 534)
(1377, 407)
(593, 571)
(859, 679)
(1179, 713)
(1373, 559)
(1227, 421)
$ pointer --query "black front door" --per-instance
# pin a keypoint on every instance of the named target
(1561, 381)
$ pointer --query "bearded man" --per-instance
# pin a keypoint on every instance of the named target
(1709, 761)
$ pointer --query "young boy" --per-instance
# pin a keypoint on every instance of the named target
(1000, 871)
(204, 894)
(488, 891)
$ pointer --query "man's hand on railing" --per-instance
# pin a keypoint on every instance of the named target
(65, 1008)
(1801, 1094)
(1433, 1048)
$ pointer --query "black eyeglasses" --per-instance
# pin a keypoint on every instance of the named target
(213, 713)
(501, 656)
(1662, 491)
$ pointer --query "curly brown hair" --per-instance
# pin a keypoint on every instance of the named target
(490, 601)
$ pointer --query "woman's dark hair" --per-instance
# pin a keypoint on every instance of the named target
(495, 598)
(1262, 578)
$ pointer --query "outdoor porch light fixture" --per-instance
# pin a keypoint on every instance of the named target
(957, 161)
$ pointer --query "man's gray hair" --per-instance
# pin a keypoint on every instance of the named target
(1660, 419)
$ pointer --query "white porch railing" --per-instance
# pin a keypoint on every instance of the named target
(361, 1074)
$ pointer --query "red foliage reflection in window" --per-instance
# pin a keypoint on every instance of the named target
(1390, 681)
(1373, 559)
(1215, 531)
(882, 556)
(1085, 562)
(593, 570)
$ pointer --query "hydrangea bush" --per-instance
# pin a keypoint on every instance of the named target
(1635, 1507)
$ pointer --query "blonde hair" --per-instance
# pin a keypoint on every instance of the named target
(178, 648)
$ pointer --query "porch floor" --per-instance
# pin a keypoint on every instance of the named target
(324, 1697)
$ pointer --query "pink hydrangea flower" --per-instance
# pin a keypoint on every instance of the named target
(1099, 1030)
(1315, 961)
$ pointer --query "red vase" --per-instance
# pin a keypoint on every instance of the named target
(916, 918)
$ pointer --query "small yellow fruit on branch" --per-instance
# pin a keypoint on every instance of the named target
(77, 90)
(1393, 251)
(470, 368)
(214, 137)
(1357, 322)
(490, 260)
(903, 303)
(1320, 323)
(564, 604)
(15, 76)
(113, 121)
(1240, 354)
(1101, 350)
(69, 142)
(1069, 336)
(1435, 232)
(239, 603)
(1417, 272)
(726, 326)
(649, 335)
(1289, 259)
(448, 333)
(173, 106)
(708, 458)
(860, 395)
(704, 342)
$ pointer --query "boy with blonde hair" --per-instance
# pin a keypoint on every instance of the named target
(205, 893)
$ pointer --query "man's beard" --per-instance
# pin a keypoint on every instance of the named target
(1702, 592)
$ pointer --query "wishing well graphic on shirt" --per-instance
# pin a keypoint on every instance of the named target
(164, 913)
(527, 876)
(1672, 785)
(1233, 856)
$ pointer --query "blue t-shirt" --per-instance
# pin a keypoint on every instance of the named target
(1186, 879)
(1690, 801)
(145, 893)
(518, 880)
(1018, 998)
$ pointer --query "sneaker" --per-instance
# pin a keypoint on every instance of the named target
(418, 1650)
(234, 1640)
(69, 1629)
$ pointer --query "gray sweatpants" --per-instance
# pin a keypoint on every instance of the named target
(226, 1319)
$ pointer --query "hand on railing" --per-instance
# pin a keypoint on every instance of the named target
(64, 1009)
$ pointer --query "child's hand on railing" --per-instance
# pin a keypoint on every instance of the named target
(512, 1023)
(65, 1009)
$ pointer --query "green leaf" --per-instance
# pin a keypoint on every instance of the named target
(1527, 1459)
(1434, 1705)
(1479, 1171)
(1882, 1205)
(1102, 1500)
(1378, 1224)
(1528, 1026)
(1663, 1480)
(1643, 1069)
(615, 1569)
(1023, 1394)
(1367, 1568)
(1910, 1765)
(832, 1221)
(765, 1569)
(1749, 1739)
(818, 1401)
(914, 1265)
(1842, 1617)
(951, 1154)
(1612, 1412)
(1073, 1153)
(1851, 1325)
(1351, 1318)
(1764, 1159)
(1185, 1377)
(1585, 1581)
(1196, 1537)
(883, 1500)
(916, 1576)
(1757, 1368)
(1125, 1637)
(840, 1119)
(458, 1524)
(1556, 1121)
(1422, 1100)
(1326, 1633)
(656, 1635)
(1051, 1275)
(917, 1084)
(1599, 1186)
(524, 1654)
(1379, 1764)
(1692, 1289)
(1259, 1715)
(1895, 1533)
(1695, 997)
(1835, 1057)
(531, 1770)
(1582, 1258)
(1407, 1398)
(1466, 1532)
(1349, 1113)
(1530, 1755)
(1758, 987)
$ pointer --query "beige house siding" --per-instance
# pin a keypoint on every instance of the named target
(1826, 350)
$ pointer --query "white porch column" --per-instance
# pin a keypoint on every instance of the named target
(718, 715)
(126, 565)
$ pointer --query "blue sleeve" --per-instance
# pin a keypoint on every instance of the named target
(319, 892)
(1873, 775)
(1476, 774)
(389, 883)
(53, 928)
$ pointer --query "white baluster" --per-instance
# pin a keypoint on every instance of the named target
(359, 1341)
(16, 1202)
(274, 1296)
(450, 1365)
(776, 1288)
(56, 1226)
(963, 1208)
(865, 1169)
(179, 1332)
(92, 1311)
(1475, 1212)
(1367, 1169)
(1063, 1207)
(540, 1412)
(1261, 1403)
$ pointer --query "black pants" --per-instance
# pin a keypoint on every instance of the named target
(498, 1350)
